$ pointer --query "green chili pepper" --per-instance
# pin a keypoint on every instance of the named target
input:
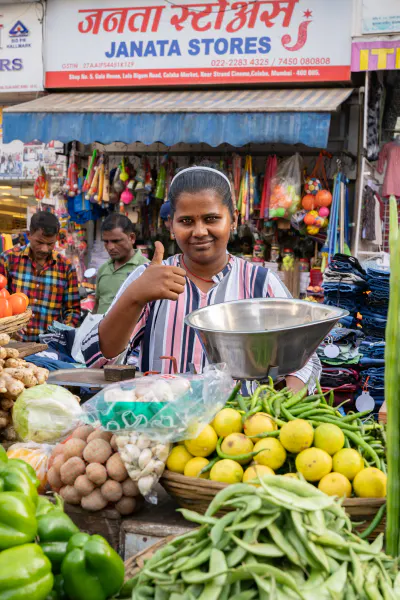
(374, 523)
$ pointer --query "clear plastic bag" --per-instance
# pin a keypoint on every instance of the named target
(286, 189)
(147, 415)
(36, 455)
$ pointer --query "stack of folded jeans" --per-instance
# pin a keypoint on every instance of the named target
(345, 285)
(374, 310)
(372, 354)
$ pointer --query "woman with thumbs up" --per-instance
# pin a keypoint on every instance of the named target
(150, 308)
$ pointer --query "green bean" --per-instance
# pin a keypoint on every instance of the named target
(374, 523)
(304, 554)
(266, 434)
(287, 414)
(242, 403)
(265, 550)
(238, 553)
(355, 416)
(371, 586)
(219, 527)
(279, 539)
(194, 517)
(161, 594)
(250, 569)
(334, 421)
(254, 522)
(254, 399)
(238, 457)
(305, 406)
(194, 562)
(198, 577)
(302, 503)
(331, 398)
(226, 494)
(316, 552)
(234, 392)
(358, 576)
(297, 397)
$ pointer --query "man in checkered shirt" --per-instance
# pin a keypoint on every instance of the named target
(45, 276)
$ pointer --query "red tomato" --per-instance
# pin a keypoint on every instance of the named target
(5, 308)
(18, 304)
(4, 293)
(24, 296)
(3, 282)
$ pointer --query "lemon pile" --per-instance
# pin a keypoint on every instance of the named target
(319, 455)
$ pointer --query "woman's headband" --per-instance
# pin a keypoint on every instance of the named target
(202, 169)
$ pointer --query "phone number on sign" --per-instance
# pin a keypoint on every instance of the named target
(264, 62)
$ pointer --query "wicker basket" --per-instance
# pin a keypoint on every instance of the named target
(196, 494)
(16, 323)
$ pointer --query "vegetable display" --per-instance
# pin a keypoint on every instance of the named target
(16, 375)
(43, 555)
(87, 470)
(288, 433)
(282, 539)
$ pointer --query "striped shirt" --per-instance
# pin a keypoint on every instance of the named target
(52, 290)
(161, 330)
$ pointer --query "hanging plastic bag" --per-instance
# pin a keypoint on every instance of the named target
(286, 189)
(148, 414)
(36, 455)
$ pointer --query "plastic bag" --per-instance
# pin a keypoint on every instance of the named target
(150, 413)
(286, 189)
(36, 455)
(45, 413)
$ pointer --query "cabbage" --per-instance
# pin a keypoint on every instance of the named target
(45, 413)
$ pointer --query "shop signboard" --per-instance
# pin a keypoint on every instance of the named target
(380, 16)
(101, 43)
(379, 54)
(21, 58)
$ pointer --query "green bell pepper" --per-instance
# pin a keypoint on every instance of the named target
(54, 530)
(25, 573)
(58, 591)
(45, 505)
(92, 570)
(15, 479)
(17, 520)
(3, 454)
(27, 468)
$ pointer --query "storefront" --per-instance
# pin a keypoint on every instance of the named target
(248, 57)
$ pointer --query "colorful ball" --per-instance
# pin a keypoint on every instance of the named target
(311, 230)
(280, 212)
(312, 186)
(323, 198)
(323, 212)
(308, 202)
(309, 219)
(318, 222)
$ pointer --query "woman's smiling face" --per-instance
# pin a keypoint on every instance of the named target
(202, 225)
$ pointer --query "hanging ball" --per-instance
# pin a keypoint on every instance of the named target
(323, 212)
(308, 202)
(324, 198)
(312, 185)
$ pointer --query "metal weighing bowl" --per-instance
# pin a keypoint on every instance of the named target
(263, 336)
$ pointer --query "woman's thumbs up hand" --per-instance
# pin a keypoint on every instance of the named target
(158, 281)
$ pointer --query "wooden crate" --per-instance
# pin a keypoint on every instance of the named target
(383, 414)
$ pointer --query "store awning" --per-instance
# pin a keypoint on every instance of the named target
(212, 117)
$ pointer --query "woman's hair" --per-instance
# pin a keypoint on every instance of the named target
(196, 180)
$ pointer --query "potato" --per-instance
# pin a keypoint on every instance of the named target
(96, 473)
(4, 339)
(99, 434)
(70, 494)
(12, 353)
(84, 485)
(3, 353)
(9, 434)
(6, 403)
(113, 443)
(130, 488)
(53, 478)
(82, 432)
(15, 363)
(98, 451)
(111, 490)
(71, 469)
(59, 449)
(58, 462)
(94, 501)
(116, 468)
(74, 447)
(126, 506)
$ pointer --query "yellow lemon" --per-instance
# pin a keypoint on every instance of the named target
(292, 475)
(273, 454)
(296, 435)
(348, 462)
(236, 444)
(227, 421)
(329, 438)
(313, 463)
(255, 472)
(335, 484)
(258, 423)
(204, 444)
(194, 466)
(178, 459)
(370, 483)
(227, 471)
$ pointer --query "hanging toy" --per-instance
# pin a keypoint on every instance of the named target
(99, 196)
(90, 172)
(148, 180)
(40, 185)
(126, 196)
(94, 186)
(312, 186)
(323, 212)
(310, 217)
(323, 198)
(140, 177)
(161, 180)
(72, 186)
(124, 176)
(106, 183)
(118, 184)
(308, 202)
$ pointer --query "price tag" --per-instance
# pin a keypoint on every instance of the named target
(331, 351)
(365, 402)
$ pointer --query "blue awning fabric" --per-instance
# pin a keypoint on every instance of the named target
(210, 117)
